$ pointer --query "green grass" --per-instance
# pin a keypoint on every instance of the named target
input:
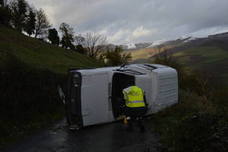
(199, 122)
(207, 55)
(30, 71)
(211, 60)
(39, 54)
(196, 123)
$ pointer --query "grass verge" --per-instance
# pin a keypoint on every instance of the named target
(199, 122)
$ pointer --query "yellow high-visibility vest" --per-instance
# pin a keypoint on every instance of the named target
(134, 97)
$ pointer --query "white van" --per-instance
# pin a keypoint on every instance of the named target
(94, 96)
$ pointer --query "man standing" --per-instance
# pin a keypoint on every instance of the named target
(135, 106)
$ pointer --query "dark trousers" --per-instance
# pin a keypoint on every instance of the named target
(136, 116)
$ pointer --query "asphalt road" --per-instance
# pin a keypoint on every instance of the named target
(102, 138)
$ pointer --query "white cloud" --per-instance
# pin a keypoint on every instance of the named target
(119, 37)
(141, 31)
(137, 20)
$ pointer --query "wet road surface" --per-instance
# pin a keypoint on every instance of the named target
(103, 138)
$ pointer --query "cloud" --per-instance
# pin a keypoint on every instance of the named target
(140, 32)
(119, 36)
(138, 20)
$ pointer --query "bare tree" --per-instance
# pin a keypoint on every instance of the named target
(79, 40)
(94, 44)
(42, 23)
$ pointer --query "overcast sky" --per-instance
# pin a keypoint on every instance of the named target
(124, 21)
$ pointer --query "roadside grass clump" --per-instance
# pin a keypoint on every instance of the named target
(199, 122)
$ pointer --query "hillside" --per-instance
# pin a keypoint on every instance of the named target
(145, 53)
(180, 44)
(201, 113)
(39, 54)
(155, 48)
(209, 57)
(212, 60)
(30, 71)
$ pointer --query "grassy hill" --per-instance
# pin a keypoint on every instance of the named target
(210, 60)
(206, 55)
(199, 121)
(30, 71)
(143, 54)
(39, 54)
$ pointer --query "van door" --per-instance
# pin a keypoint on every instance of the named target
(120, 81)
(95, 108)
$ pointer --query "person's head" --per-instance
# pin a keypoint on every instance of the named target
(128, 85)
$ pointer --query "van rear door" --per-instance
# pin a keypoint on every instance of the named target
(95, 105)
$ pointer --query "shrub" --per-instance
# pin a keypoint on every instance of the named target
(192, 125)
(197, 133)
(199, 122)
(117, 57)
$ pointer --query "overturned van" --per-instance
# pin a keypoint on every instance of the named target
(94, 96)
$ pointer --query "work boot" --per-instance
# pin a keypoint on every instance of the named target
(140, 125)
(74, 127)
(130, 126)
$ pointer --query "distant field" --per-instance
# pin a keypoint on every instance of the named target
(202, 56)
(212, 61)
(147, 52)
(143, 53)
